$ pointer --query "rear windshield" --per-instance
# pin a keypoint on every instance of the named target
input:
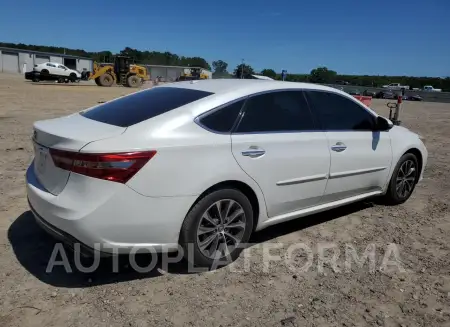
(144, 105)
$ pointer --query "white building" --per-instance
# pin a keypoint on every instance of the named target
(170, 73)
(21, 61)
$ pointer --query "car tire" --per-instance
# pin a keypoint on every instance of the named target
(204, 233)
(133, 81)
(73, 77)
(403, 181)
(106, 80)
(61, 80)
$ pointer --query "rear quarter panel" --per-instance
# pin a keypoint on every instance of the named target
(189, 159)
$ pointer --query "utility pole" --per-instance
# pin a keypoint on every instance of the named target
(242, 69)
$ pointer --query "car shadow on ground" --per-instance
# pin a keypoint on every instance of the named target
(33, 248)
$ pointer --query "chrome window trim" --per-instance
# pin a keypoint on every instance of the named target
(247, 97)
(239, 117)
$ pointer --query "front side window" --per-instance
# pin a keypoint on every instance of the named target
(282, 111)
(336, 112)
(223, 119)
(50, 65)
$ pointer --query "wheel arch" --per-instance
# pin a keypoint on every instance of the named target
(241, 186)
(418, 154)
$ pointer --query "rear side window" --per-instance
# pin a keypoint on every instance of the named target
(222, 120)
(336, 112)
(144, 105)
(284, 111)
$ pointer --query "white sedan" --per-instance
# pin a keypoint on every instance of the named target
(203, 164)
(55, 69)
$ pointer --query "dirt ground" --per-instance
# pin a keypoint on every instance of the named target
(255, 295)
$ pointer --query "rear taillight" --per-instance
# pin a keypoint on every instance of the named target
(115, 167)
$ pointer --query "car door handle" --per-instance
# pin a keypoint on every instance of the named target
(253, 152)
(339, 147)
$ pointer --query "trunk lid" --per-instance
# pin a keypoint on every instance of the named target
(70, 133)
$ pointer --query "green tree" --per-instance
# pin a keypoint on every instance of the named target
(244, 69)
(219, 66)
(322, 75)
(269, 73)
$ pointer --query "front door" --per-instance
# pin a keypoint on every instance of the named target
(360, 157)
(277, 144)
(62, 70)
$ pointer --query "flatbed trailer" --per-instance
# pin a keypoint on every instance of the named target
(37, 77)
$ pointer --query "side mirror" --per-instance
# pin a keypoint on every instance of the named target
(382, 124)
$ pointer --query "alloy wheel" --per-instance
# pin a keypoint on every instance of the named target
(406, 178)
(221, 229)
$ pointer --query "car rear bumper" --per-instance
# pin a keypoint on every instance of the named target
(61, 235)
(107, 217)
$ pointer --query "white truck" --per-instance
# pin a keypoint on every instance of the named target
(429, 88)
(396, 86)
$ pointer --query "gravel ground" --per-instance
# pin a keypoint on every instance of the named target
(415, 291)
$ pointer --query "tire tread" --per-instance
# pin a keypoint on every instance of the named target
(188, 228)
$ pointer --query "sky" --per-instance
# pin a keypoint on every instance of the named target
(382, 37)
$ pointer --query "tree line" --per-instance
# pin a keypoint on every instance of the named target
(327, 76)
(220, 67)
(323, 75)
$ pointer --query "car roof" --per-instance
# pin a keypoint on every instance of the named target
(223, 91)
(230, 89)
(248, 86)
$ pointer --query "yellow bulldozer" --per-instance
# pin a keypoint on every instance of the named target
(121, 72)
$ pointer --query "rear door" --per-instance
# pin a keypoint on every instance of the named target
(360, 157)
(10, 62)
(277, 144)
(52, 69)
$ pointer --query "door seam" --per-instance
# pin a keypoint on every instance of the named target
(237, 161)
